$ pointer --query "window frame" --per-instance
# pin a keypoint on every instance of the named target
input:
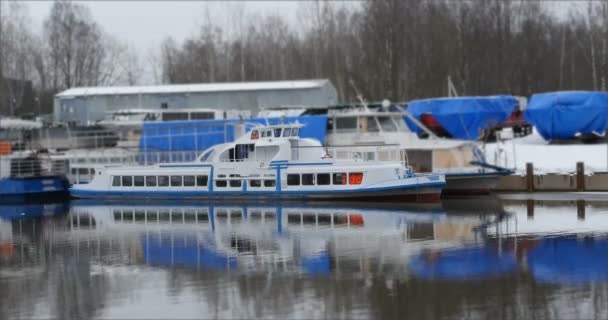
(193, 182)
(147, 179)
(204, 179)
(164, 179)
(116, 179)
(181, 181)
(123, 179)
(141, 183)
(313, 180)
(318, 181)
(291, 182)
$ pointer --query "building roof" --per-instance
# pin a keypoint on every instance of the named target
(195, 88)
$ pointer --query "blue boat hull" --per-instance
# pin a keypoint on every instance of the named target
(428, 192)
(16, 188)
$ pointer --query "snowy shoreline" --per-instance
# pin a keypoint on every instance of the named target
(547, 158)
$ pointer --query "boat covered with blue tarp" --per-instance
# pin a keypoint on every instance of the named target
(463, 117)
(202, 134)
(563, 115)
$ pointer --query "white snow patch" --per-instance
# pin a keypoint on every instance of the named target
(547, 158)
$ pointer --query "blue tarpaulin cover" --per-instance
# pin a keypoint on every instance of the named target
(202, 134)
(569, 260)
(463, 264)
(561, 115)
(463, 117)
(318, 264)
(184, 254)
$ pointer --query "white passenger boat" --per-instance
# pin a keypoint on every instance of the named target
(267, 162)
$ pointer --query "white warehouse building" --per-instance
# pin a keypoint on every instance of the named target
(87, 105)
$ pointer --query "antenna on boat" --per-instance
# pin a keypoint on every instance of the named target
(262, 111)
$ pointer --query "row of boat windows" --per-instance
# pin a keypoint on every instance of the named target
(202, 216)
(160, 181)
(311, 179)
(305, 179)
(278, 132)
(252, 183)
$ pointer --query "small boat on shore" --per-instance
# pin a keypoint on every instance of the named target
(269, 162)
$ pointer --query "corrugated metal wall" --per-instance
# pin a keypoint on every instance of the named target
(88, 109)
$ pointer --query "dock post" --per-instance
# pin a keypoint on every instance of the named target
(530, 209)
(580, 176)
(580, 209)
(530, 177)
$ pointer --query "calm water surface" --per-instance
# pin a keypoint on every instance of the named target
(464, 258)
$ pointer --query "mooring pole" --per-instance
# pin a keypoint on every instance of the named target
(580, 176)
(530, 177)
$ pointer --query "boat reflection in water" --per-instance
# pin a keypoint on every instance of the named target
(287, 238)
(463, 259)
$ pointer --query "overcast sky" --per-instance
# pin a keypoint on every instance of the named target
(144, 24)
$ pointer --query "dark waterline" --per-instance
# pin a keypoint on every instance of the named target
(463, 258)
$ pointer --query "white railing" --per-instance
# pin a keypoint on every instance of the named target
(32, 167)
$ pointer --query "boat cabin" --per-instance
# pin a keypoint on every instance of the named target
(265, 144)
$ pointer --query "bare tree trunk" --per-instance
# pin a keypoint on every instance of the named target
(561, 58)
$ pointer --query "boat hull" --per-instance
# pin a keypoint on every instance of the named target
(35, 187)
(428, 192)
(471, 184)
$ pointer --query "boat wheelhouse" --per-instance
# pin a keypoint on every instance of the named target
(360, 130)
(270, 161)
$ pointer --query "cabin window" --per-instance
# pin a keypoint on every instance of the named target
(150, 181)
(293, 179)
(269, 183)
(294, 132)
(176, 181)
(189, 181)
(387, 124)
(323, 179)
(116, 181)
(355, 177)
(202, 115)
(346, 123)
(235, 183)
(369, 124)
(269, 133)
(339, 178)
(263, 134)
(174, 116)
(277, 132)
(163, 181)
(254, 135)
(201, 181)
(221, 183)
(127, 181)
(138, 181)
(308, 179)
(255, 183)
(286, 132)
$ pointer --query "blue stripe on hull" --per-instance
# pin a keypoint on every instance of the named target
(32, 186)
(423, 188)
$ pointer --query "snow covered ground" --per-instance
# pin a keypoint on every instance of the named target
(545, 157)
